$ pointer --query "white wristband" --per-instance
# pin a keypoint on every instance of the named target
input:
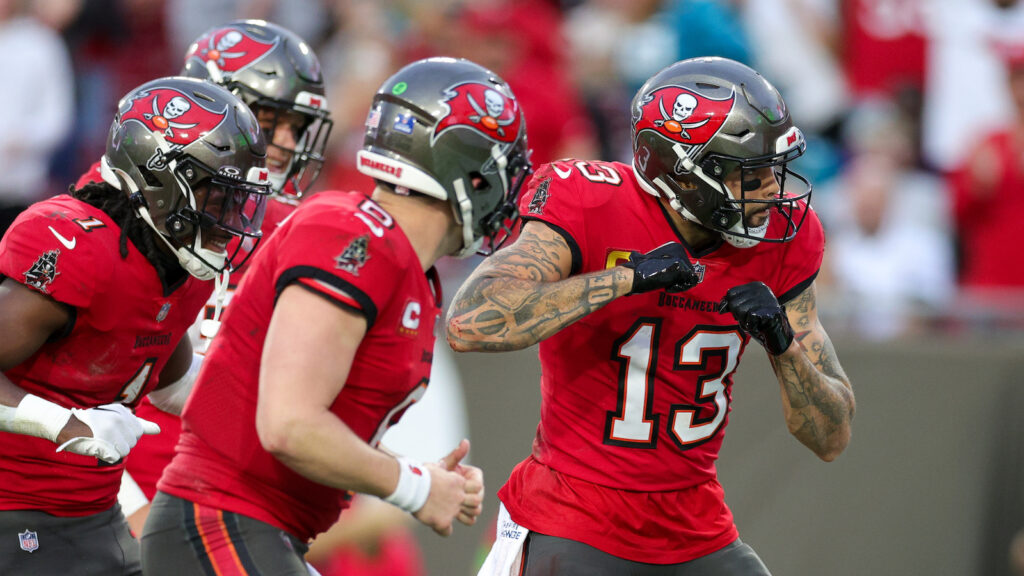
(37, 417)
(413, 486)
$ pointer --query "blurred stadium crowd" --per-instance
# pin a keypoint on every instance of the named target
(914, 111)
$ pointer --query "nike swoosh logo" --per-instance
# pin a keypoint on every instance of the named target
(563, 173)
(69, 244)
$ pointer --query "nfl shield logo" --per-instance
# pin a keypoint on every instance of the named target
(699, 269)
(28, 540)
(162, 314)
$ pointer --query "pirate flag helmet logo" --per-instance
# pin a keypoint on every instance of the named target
(683, 115)
(230, 49)
(179, 118)
(484, 109)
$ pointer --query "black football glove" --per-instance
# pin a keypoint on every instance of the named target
(667, 266)
(759, 314)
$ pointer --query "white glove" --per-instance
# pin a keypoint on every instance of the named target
(115, 431)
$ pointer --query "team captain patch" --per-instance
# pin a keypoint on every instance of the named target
(354, 256)
(42, 273)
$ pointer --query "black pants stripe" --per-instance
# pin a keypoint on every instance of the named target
(181, 537)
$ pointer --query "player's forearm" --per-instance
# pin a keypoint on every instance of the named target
(322, 448)
(493, 314)
(35, 416)
(818, 405)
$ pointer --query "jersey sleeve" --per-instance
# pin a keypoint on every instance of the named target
(553, 197)
(342, 261)
(802, 259)
(47, 251)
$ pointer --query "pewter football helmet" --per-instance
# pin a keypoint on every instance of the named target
(452, 130)
(699, 120)
(190, 157)
(272, 68)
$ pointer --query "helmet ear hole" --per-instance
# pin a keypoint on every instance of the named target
(713, 166)
(478, 181)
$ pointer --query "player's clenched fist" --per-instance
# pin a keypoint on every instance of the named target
(759, 314)
(666, 267)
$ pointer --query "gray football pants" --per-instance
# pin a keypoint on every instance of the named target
(545, 555)
(34, 542)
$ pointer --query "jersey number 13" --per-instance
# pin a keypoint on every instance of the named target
(633, 423)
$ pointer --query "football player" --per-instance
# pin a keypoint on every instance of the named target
(97, 290)
(278, 75)
(644, 284)
(330, 337)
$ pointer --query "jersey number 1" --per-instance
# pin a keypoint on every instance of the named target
(130, 391)
(633, 423)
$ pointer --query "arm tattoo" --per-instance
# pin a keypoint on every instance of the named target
(521, 295)
(820, 404)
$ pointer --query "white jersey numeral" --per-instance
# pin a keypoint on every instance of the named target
(131, 390)
(371, 214)
(599, 172)
(634, 423)
(415, 396)
(693, 355)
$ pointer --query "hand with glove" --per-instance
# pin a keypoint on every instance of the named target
(115, 431)
(666, 267)
(759, 314)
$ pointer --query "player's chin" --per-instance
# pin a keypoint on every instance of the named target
(279, 163)
(757, 219)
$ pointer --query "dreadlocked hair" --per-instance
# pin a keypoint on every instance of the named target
(116, 205)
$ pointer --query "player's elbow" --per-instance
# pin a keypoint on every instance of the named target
(835, 446)
(276, 431)
(457, 343)
(459, 338)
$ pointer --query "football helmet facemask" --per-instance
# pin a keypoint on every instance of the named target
(452, 130)
(699, 121)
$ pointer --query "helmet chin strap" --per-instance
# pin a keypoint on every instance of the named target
(189, 261)
(209, 327)
(741, 242)
(214, 71)
(471, 245)
(279, 179)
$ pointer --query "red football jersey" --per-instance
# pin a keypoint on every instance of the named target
(346, 248)
(126, 325)
(636, 396)
(153, 453)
